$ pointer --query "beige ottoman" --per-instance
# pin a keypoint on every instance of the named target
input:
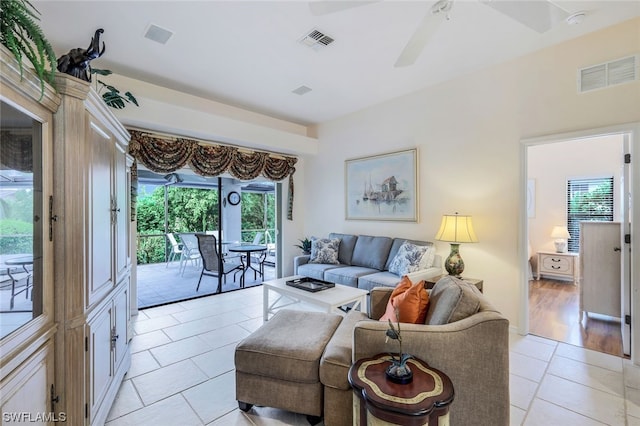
(277, 365)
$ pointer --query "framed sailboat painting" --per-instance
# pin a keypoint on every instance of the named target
(382, 187)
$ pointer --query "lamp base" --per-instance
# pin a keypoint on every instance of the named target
(561, 246)
(454, 264)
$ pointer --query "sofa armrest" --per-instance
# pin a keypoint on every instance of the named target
(423, 274)
(299, 261)
(378, 299)
(473, 352)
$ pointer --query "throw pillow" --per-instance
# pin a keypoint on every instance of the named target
(427, 258)
(451, 300)
(410, 300)
(324, 250)
(407, 259)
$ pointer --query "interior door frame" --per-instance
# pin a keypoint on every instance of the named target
(633, 132)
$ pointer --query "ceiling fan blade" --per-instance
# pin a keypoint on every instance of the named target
(325, 7)
(426, 29)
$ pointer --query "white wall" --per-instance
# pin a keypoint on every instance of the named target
(552, 165)
(468, 134)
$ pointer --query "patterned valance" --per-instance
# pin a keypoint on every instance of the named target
(165, 156)
(16, 152)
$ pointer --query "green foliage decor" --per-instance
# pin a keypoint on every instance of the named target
(305, 245)
(20, 33)
(111, 95)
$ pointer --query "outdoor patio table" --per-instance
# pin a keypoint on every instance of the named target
(248, 249)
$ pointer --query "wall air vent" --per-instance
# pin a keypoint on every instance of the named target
(609, 74)
(316, 39)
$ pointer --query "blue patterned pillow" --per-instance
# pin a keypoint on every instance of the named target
(325, 250)
(407, 259)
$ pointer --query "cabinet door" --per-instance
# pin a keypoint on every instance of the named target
(121, 324)
(100, 367)
(101, 204)
(121, 214)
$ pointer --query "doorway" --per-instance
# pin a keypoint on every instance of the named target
(552, 302)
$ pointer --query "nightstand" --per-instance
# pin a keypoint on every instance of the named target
(558, 265)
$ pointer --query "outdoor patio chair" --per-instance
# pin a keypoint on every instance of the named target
(207, 245)
(190, 251)
(176, 249)
(257, 257)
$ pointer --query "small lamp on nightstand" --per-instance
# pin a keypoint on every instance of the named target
(561, 234)
(456, 229)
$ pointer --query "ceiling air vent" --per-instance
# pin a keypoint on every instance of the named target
(158, 34)
(609, 74)
(316, 39)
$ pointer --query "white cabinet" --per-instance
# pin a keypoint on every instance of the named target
(558, 265)
(107, 349)
(92, 238)
(600, 280)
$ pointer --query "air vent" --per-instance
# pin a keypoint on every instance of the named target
(316, 39)
(609, 74)
(301, 90)
(157, 34)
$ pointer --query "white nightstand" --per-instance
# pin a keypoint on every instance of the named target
(558, 265)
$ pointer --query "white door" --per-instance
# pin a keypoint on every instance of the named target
(625, 247)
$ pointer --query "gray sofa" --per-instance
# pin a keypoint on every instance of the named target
(364, 262)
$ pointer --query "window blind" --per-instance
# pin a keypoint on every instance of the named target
(587, 200)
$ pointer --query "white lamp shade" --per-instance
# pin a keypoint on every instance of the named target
(560, 232)
(456, 228)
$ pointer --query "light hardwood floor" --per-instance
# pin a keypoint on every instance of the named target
(554, 314)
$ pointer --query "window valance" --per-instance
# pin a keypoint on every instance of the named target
(165, 156)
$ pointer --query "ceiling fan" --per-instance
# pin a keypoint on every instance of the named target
(539, 15)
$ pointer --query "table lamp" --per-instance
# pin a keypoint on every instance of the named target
(561, 234)
(456, 229)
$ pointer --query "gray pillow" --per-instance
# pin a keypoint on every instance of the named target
(451, 300)
(324, 250)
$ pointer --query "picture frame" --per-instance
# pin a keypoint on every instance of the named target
(382, 187)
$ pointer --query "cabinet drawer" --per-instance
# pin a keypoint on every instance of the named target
(556, 265)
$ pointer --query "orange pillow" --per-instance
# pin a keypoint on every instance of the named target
(410, 299)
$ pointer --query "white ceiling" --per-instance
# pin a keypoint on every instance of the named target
(247, 54)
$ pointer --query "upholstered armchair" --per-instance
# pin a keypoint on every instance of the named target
(473, 352)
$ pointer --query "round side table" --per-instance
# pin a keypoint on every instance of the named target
(424, 401)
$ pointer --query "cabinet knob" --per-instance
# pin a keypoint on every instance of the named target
(617, 249)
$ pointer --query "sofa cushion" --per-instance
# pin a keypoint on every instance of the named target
(371, 252)
(336, 360)
(347, 275)
(395, 246)
(316, 270)
(407, 303)
(379, 279)
(451, 300)
(347, 243)
(324, 250)
(408, 259)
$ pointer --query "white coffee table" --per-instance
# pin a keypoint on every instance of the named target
(329, 300)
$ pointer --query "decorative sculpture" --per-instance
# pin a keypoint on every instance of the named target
(76, 62)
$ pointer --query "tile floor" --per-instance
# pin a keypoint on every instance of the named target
(182, 373)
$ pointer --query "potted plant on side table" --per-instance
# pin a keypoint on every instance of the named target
(305, 246)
